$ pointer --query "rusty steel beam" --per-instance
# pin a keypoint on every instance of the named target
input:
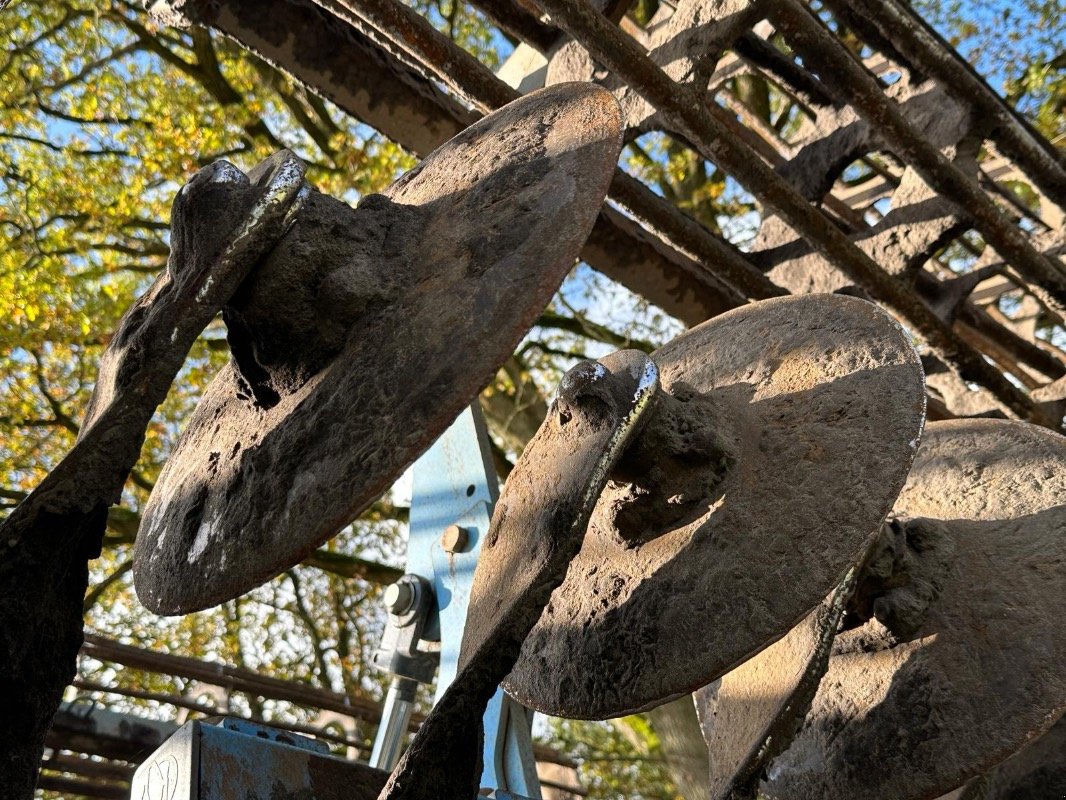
(691, 237)
(87, 767)
(924, 47)
(247, 682)
(339, 62)
(684, 109)
(73, 787)
(693, 291)
(991, 333)
(191, 705)
(511, 18)
(226, 676)
(1026, 352)
(405, 33)
(836, 65)
(665, 267)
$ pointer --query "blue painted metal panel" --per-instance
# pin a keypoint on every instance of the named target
(454, 483)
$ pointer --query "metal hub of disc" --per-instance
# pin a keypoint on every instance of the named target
(362, 336)
(805, 416)
(986, 670)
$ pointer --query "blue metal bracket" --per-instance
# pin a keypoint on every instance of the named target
(455, 483)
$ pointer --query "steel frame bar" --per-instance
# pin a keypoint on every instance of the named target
(683, 108)
(520, 24)
(331, 57)
(672, 260)
(920, 44)
(837, 66)
(398, 27)
(992, 335)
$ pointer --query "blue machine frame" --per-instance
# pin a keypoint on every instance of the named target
(454, 483)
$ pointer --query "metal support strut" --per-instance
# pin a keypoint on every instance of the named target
(453, 493)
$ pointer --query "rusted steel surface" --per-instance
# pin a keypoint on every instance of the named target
(961, 663)
(361, 337)
(786, 430)
(690, 42)
(397, 27)
(1036, 772)
(538, 526)
(513, 19)
(836, 66)
(918, 42)
(338, 61)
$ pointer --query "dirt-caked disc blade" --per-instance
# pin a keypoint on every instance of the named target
(420, 294)
(749, 715)
(819, 403)
(986, 671)
(1036, 772)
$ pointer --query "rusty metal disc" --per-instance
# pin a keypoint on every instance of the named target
(817, 404)
(361, 337)
(1036, 772)
(748, 716)
(986, 670)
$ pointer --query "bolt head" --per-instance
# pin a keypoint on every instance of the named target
(454, 539)
(399, 597)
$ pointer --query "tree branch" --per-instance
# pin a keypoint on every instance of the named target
(345, 566)
(97, 591)
(591, 330)
(62, 419)
(312, 628)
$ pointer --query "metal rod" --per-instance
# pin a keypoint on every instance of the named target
(395, 26)
(192, 705)
(652, 265)
(510, 17)
(395, 719)
(922, 45)
(243, 680)
(993, 334)
(226, 676)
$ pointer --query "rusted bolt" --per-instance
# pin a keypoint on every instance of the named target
(399, 597)
(454, 539)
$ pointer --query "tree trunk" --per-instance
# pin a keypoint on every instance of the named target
(681, 739)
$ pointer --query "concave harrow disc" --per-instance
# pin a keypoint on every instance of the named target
(362, 336)
(818, 403)
(986, 672)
